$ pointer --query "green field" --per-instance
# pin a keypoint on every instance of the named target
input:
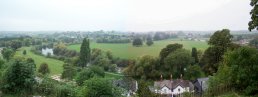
(56, 66)
(128, 51)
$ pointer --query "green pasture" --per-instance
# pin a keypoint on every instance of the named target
(128, 51)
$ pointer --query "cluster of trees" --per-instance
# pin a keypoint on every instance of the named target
(107, 40)
(237, 71)
(96, 57)
(139, 42)
(18, 42)
(173, 60)
(7, 53)
(18, 76)
(64, 52)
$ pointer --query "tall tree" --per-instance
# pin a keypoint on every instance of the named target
(254, 19)
(137, 42)
(195, 55)
(167, 50)
(149, 41)
(219, 43)
(85, 53)
(177, 61)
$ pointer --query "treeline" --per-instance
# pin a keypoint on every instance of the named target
(163, 36)
(106, 40)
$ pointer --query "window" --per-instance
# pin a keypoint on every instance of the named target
(178, 90)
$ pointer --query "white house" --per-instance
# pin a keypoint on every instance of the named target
(172, 87)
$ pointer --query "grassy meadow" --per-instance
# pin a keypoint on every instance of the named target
(56, 66)
(127, 51)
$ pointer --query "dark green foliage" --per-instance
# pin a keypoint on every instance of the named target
(137, 42)
(47, 87)
(168, 49)
(24, 52)
(177, 61)
(144, 68)
(102, 59)
(88, 73)
(43, 69)
(69, 71)
(16, 44)
(1, 63)
(193, 72)
(113, 68)
(27, 42)
(66, 90)
(99, 87)
(19, 77)
(254, 12)
(144, 90)
(221, 38)
(52, 88)
(195, 55)
(58, 51)
(98, 71)
(7, 53)
(220, 42)
(238, 71)
(2, 68)
(208, 62)
(149, 41)
(85, 53)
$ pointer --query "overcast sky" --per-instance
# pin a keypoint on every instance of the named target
(123, 15)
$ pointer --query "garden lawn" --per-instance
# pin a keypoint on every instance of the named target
(127, 51)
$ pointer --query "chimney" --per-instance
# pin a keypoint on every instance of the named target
(181, 77)
(161, 78)
(171, 77)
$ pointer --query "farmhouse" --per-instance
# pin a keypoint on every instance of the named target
(172, 87)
